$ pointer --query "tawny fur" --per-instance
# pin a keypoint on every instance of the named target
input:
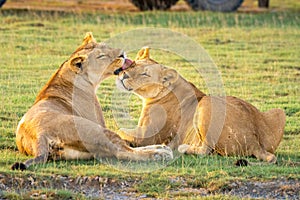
(176, 113)
(66, 121)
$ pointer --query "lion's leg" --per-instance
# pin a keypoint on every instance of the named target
(153, 147)
(69, 153)
(41, 152)
(207, 135)
(138, 137)
(102, 142)
(81, 139)
(154, 152)
(129, 136)
(122, 151)
(194, 149)
(271, 129)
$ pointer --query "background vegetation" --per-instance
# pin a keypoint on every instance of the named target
(256, 53)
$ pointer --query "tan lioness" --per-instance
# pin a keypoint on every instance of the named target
(176, 113)
(66, 120)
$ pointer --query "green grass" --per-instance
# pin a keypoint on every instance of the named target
(42, 194)
(257, 55)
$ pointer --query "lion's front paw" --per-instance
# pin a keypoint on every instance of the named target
(154, 147)
(183, 148)
(192, 149)
(163, 154)
(161, 146)
(271, 159)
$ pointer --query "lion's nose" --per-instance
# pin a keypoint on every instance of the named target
(125, 76)
(117, 71)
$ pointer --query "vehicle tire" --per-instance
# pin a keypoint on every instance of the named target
(154, 4)
(2, 2)
(215, 5)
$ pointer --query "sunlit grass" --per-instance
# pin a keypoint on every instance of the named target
(257, 55)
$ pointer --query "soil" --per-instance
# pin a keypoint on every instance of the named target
(109, 188)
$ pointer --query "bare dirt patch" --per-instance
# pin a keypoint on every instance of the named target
(110, 188)
(275, 189)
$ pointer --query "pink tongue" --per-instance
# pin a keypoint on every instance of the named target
(127, 63)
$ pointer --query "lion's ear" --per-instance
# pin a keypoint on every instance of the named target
(143, 54)
(169, 76)
(76, 63)
(88, 38)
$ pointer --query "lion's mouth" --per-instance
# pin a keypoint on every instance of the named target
(123, 84)
(126, 63)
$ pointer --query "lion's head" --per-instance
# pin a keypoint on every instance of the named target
(91, 63)
(146, 77)
(95, 61)
(169, 101)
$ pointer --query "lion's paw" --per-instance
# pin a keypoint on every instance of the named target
(162, 154)
(271, 159)
(183, 148)
(154, 147)
(165, 147)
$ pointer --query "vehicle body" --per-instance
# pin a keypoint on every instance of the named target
(213, 5)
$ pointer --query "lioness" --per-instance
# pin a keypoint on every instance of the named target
(66, 121)
(176, 113)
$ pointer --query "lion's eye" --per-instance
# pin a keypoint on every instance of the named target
(101, 56)
(145, 74)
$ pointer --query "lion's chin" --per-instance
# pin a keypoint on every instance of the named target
(120, 85)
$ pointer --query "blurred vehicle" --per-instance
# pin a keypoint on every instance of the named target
(213, 5)
(2, 2)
